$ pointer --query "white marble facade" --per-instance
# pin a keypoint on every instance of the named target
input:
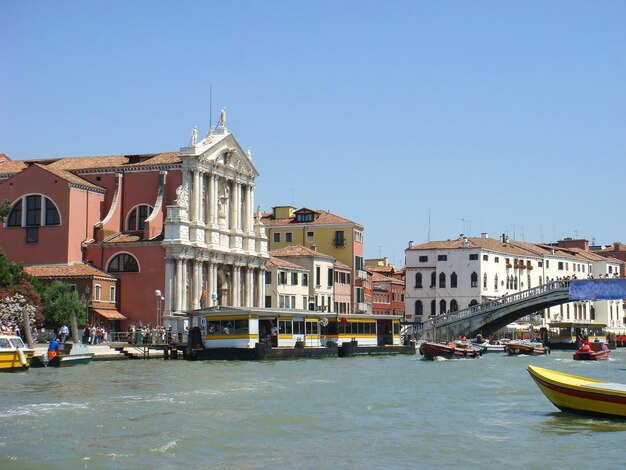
(216, 247)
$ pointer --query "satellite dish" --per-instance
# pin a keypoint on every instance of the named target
(324, 321)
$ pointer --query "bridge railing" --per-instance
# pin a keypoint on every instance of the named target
(484, 307)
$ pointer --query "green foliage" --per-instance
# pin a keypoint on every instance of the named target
(59, 300)
(5, 208)
(10, 273)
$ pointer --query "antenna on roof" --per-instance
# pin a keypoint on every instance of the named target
(428, 224)
(210, 105)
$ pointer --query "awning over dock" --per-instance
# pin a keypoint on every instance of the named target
(600, 289)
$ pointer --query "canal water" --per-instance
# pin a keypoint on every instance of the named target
(364, 412)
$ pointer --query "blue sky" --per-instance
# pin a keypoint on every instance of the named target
(489, 116)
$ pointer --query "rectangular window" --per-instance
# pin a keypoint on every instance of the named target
(547, 263)
(294, 279)
(32, 234)
(268, 301)
(339, 239)
(305, 279)
(358, 236)
(98, 293)
(33, 211)
(540, 264)
(298, 327)
(72, 287)
(281, 301)
(318, 275)
(282, 278)
(358, 263)
(310, 236)
(330, 277)
(560, 265)
(442, 258)
(276, 237)
(293, 301)
(423, 259)
(473, 257)
(305, 302)
(496, 259)
(268, 277)
(112, 294)
(485, 257)
(288, 237)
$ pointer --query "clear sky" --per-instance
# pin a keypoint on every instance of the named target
(490, 116)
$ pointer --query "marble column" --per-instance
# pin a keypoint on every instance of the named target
(260, 288)
(169, 285)
(236, 286)
(195, 197)
(195, 285)
(179, 285)
(185, 284)
(249, 286)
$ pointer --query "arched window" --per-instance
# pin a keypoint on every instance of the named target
(419, 309)
(474, 279)
(137, 218)
(32, 211)
(453, 280)
(433, 279)
(454, 306)
(123, 263)
(495, 282)
(418, 280)
(442, 307)
(473, 302)
(442, 280)
(433, 308)
(485, 280)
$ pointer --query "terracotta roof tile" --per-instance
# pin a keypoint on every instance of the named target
(9, 167)
(377, 277)
(299, 250)
(62, 271)
(281, 263)
(325, 218)
(340, 265)
(70, 177)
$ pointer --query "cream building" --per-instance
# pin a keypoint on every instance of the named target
(450, 275)
(216, 247)
(286, 285)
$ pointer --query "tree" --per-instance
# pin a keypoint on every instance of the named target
(17, 298)
(5, 208)
(59, 300)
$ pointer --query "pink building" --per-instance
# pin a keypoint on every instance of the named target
(180, 223)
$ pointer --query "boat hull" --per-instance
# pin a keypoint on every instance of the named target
(579, 394)
(10, 361)
(67, 360)
(448, 351)
(514, 349)
(594, 352)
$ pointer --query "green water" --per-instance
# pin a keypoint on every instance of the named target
(364, 412)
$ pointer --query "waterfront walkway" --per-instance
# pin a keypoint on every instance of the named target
(114, 351)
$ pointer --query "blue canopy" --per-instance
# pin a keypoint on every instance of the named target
(598, 289)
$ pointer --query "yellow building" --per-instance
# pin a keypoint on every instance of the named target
(322, 231)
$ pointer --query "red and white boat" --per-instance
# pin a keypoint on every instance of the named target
(592, 352)
(449, 350)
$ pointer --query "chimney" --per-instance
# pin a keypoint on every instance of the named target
(411, 244)
(314, 247)
(484, 235)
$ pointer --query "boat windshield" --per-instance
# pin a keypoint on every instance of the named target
(4, 343)
(17, 342)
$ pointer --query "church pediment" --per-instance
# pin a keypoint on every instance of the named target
(227, 153)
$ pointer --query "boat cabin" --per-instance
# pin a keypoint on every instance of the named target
(240, 327)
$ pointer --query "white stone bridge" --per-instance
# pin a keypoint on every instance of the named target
(489, 317)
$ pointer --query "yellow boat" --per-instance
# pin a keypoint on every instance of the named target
(580, 394)
(14, 355)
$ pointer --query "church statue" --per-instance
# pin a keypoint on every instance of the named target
(222, 122)
(194, 136)
(182, 196)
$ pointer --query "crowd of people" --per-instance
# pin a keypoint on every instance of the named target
(148, 334)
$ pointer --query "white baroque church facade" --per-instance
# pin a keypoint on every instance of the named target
(215, 245)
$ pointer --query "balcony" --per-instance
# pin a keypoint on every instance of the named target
(361, 307)
(361, 274)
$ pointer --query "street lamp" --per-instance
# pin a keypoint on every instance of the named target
(159, 297)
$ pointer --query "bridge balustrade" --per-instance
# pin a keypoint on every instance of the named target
(496, 303)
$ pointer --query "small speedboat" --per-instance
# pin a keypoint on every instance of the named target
(14, 355)
(580, 394)
(531, 348)
(71, 355)
(592, 352)
(449, 350)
